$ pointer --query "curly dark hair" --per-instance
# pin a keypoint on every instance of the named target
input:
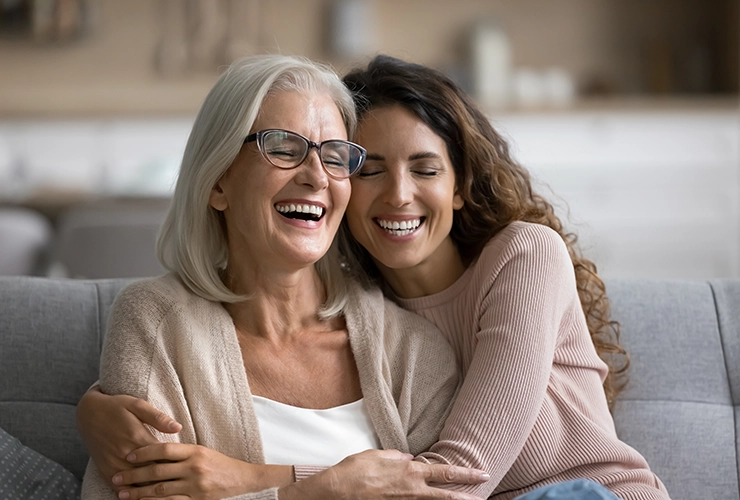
(496, 189)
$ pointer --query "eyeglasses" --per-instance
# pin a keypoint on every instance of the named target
(285, 149)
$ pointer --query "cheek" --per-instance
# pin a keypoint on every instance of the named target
(364, 193)
(355, 215)
(341, 196)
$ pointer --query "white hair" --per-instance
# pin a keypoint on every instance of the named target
(192, 242)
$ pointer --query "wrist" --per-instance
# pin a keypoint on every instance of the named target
(258, 477)
(310, 488)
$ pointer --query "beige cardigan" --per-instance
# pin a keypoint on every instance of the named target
(180, 352)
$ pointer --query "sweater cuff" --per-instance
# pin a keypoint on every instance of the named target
(270, 494)
(303, 471)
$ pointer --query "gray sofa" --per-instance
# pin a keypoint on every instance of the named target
(679, 409)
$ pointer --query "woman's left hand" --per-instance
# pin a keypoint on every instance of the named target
(174, 470)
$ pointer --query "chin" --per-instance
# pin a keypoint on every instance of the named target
(397, 263)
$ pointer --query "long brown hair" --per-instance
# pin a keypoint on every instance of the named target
(496, 189)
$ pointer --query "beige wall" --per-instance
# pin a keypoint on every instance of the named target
(111, 70)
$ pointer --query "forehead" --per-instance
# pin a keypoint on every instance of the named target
(309, 113)
(396, 129)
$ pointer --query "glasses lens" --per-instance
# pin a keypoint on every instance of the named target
(284, 149)
(341, 158)
(336, 157)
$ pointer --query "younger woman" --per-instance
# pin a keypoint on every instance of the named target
(449, 224)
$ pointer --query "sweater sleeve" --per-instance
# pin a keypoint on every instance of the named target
(522, 306)
(430, 383)
(125, 365)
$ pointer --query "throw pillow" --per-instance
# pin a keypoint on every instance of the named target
(27, 474)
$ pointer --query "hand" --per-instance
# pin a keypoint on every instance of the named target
(175, 470)
(112, 427)
(384, 474)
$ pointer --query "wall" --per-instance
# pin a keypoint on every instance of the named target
(607, 45)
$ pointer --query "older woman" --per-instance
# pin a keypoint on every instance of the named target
(256, 342)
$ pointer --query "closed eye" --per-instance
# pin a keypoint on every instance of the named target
(370, 170)
(366, 175)
(286, 154)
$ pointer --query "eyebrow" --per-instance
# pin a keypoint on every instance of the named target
(423, 155)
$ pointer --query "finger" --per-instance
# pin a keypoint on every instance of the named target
(166, 489)
(150, 474)
(172, 452)
(451, 474)
(152, 416)
(176, 497)
(387, 454)
(439, 494)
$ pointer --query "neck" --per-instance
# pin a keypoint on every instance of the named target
(434, 275)
(281, 304)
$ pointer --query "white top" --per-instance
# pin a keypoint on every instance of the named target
(293, 435)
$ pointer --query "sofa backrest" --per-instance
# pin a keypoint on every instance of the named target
(51, 334)
(679, 409)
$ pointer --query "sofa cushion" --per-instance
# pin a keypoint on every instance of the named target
(727, 298)
(677, 409)
(27, 474)
(50, 338)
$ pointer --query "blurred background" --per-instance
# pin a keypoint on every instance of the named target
(626, 112)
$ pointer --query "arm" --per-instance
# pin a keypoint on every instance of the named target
(111, 428)
(507, 379)
(199, 472)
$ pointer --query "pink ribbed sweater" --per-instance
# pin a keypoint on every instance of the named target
(531, 409)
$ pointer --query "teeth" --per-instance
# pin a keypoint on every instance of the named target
(399, 228)
(300, 208)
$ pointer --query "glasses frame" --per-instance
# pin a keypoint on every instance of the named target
(259, 135)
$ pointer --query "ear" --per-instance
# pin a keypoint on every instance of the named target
(217, 198)
(457, 202)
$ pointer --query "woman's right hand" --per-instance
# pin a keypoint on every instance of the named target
(384, 474)
(113, 426)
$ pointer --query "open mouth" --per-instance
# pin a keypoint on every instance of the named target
(400, 228)
(300, 211)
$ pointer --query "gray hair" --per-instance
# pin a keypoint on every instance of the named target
(192, 242)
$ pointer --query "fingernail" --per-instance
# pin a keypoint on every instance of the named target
(123, 495)
(117, 479)
(131, 457)
(485, 477)
(173, 426)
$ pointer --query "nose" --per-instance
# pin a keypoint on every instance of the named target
(399, 190)
(311, 172)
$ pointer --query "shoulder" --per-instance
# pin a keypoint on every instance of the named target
(524, 257)
(526, 237)
(151, 300)
(536, 244)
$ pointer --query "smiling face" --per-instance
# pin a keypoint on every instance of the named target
(284, 219)
(404, 198)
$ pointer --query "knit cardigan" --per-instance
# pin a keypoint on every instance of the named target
(180, 352)
(531, 409)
